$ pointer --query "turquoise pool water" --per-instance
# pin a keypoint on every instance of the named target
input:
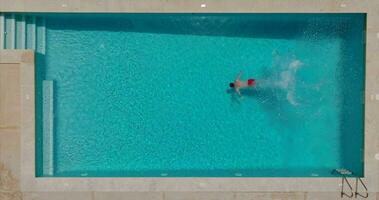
(147, 95)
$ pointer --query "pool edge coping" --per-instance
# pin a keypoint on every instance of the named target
(30, 183)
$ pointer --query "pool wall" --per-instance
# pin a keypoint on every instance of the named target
(27, 128)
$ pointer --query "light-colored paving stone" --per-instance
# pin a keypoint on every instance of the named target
(322, 196)
(186, 6)
(9, 186)
(334, 195)
(9, 132)
(270, 196)
(128, 196)
(58, 196)
(10, 152)
(199, 196)
(10, 96)
(10, 196)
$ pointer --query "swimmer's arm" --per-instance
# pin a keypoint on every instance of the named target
(239, 75)
(238, 92)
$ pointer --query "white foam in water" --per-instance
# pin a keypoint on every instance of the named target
(48, 127)
(294, 65)
(291, 77)
(284, 78)
(238, 174)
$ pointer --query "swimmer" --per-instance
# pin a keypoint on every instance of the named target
(238, 84)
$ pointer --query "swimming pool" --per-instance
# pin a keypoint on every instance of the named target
(146, 95)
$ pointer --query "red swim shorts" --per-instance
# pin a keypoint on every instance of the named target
(250, 82)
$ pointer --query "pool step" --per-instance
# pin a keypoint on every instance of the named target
(41, 35)
(31, 33)
(2, 30)
(10, 31)
(22, 32)
(48, 127)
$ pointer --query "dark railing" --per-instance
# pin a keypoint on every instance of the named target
(344, 173)
(351, 194)
(356, 193)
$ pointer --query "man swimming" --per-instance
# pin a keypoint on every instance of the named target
(238, 84)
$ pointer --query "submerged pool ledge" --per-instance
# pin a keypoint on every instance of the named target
(48, 127)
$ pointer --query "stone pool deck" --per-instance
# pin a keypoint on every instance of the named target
(17, 179)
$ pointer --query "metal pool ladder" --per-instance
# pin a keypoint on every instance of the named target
(356, 193)
(344, 173)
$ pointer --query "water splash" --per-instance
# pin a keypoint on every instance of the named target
(282, 76)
